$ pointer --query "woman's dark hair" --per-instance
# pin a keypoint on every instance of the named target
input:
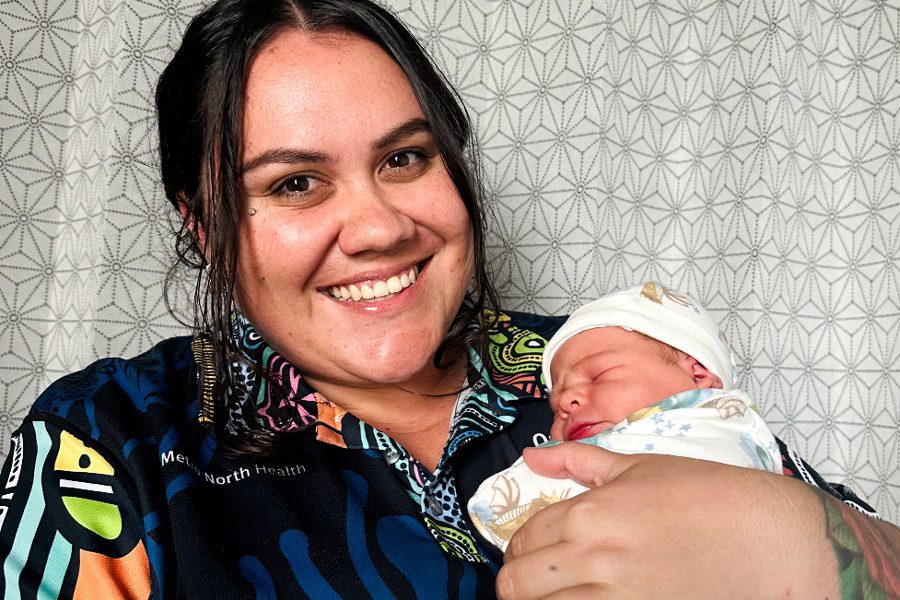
(199, 102)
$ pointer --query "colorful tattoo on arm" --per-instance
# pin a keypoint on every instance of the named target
(867, 551)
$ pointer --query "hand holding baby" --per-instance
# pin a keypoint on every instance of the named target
(615, 541)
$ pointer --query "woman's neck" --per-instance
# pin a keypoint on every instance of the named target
(417, 417)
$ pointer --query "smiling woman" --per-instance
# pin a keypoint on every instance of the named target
(369, 200)
(385, 206)
(350, 380)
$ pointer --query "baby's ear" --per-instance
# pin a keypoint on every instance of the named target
(704, 378)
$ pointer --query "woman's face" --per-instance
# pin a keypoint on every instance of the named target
(345, 197)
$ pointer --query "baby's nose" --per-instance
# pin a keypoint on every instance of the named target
(570, 400)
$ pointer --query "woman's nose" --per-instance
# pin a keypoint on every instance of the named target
(373, 222)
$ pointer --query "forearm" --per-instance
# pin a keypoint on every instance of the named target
(867, 551)
(700, 529)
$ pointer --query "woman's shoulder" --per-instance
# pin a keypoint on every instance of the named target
(542, 325)
(143, 393)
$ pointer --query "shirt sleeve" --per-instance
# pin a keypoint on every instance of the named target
(794, 466)
(69, 527)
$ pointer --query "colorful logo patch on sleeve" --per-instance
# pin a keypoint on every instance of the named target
(85, 485)
(64, 507)
(85, 492)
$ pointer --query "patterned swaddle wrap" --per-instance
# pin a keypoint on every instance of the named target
(710, 424)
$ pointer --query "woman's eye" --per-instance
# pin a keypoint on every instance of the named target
(405, 159)
(297, 184)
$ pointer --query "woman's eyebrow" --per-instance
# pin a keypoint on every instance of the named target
(400, 132)
(282, 156)
(297, 155)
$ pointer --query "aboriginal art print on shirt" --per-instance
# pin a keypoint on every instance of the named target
(64, 498)
(116, 482)
(485, 406)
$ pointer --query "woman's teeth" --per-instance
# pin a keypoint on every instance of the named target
(375, 289)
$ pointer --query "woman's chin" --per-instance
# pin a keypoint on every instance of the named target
(409, 374)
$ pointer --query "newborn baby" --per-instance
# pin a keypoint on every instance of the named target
(644, 370)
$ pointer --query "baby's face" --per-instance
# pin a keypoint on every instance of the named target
(601, 376)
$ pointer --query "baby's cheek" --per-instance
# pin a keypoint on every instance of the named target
(558, 428)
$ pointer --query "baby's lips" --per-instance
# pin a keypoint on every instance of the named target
(579, 431)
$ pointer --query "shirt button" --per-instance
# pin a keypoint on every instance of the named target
(434, 506)
(391, 456)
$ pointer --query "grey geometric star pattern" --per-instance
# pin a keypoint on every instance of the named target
(746, 153)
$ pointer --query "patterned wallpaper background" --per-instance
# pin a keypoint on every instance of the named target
(745, 152)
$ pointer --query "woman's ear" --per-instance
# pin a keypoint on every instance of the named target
(190, 220)
(704, 378)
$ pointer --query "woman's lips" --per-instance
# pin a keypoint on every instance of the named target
(375, 289)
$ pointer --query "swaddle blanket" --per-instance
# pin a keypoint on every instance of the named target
(710, 424)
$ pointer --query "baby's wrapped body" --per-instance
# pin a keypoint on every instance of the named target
(710, 424)
(639, 371)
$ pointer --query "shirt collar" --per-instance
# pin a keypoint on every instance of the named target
(285, 402)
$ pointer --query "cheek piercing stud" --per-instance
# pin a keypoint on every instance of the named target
(252, 211)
